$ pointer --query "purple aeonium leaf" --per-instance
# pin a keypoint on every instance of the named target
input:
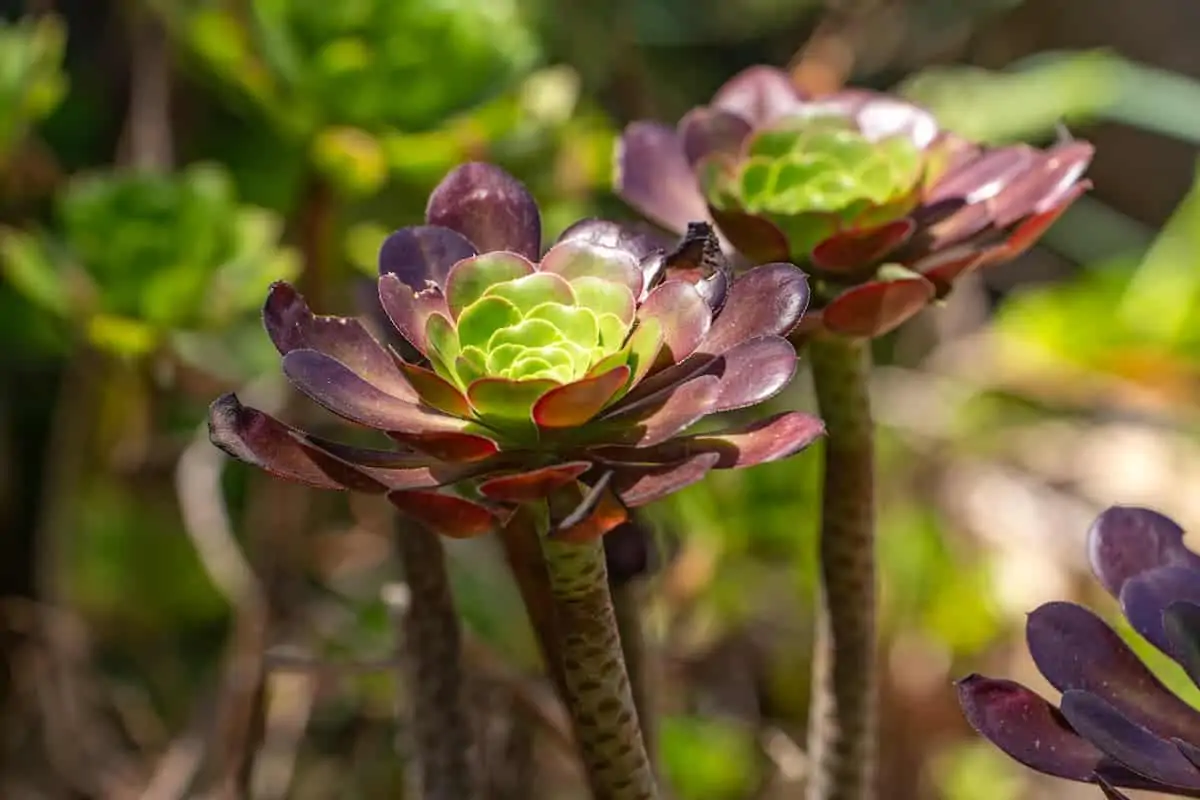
(1181, 623)
(758, 442)
(1146, 596)
(1053, 177)
(1129, 743)
(489, 207)
(754, 371)
(873, 309)
(704, 131)
(766, 301)
(758, 94)
(423, 254)
(684, 315)
(662, 416)
(849, 250)
(575, 403)
(637, 238)
(386, 470)
(653, 176)
(984, 177)
(334, 386)
(1075, 650)
(409, 311)
(637, 486)
(533, 485)
(292, 326)
(1110, 791)
(1033, 732)
(1126, 541)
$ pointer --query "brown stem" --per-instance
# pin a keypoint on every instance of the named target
(147, 135)
(842, 738)
(433, 669)
(597, 685)
(316, 227)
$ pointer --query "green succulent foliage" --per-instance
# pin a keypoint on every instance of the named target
(363, 63)
(517, 335)
(136, 255)
(32, 81)
(814, 176)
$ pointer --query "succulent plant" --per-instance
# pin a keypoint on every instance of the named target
(1116, 725)
(138, 255)
(570, 379)
(886, 209)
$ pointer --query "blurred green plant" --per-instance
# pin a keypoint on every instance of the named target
(352, 79)
(137, 256)
(1150, 307)
(708, 759)
(32, 81)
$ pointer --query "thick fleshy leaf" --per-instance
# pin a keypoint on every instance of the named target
(488, 206)
(876, 308)
(1033, 732)
(605, 297)
(506, 399)
(575, 403)
(410, 311)
(638, 238)
(377, 471)
(292, 326)
(423, 254)
(662, 416)
(706, 130)
(1044, 185)
(580, 259)
(1030, 230)
(758, 442)
(1126, 741)
(472, 277)
(468, 447)
(754, 371)
(766, 301)
(1075, 649)
(1190, 751)
(653, 176)
(855, 250)
(528, 487)
(757, 238)
(434, 390)
(1145, 597)
(684, 315)
(446, 514)
(1181, 624)
(947, 266)
(1110, 791)
(260, 440)
(637, 487)
(759, 94)
(985, 177)
(1126, 541)
(481, 319)
(333, 385)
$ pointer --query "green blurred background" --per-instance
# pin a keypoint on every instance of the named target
(168, 621)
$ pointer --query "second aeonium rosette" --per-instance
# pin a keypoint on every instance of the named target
(569, 378)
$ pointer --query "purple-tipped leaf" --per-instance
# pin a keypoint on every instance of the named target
(654, 177)
(660, 417)
(1181, 623)
(754, 371)
(873, 309)
(575, 403)
(423, 254)
(292, 326)
(1145, 597)
(446, 514)
(490, 208)
(704, 131)
(684, 315)
(578, 259)
(855, 250)
(468, 447)
(1033, 732)
(1126, 541)
(534, 485)
(766, 301)
(409, 311)
(638, 238)
(1127, 742)
(1075, 649)
(334, 386)
(637, 487)
(758, 94)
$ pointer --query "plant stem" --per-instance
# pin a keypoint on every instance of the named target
(433, 668)
(628, 599)
(597, 685)
(842, 737)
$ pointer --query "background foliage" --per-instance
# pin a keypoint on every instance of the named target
(161, 161)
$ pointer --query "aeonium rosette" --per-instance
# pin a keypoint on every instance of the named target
(569, 379)
(882, 206)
